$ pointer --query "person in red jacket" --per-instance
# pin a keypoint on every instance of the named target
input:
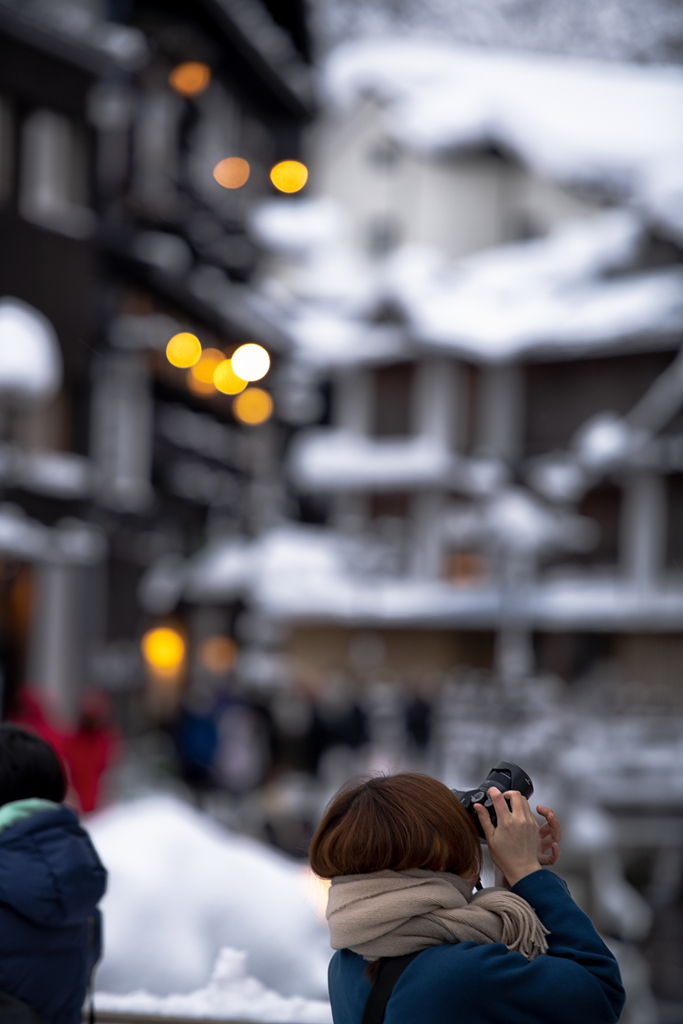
(93, 748)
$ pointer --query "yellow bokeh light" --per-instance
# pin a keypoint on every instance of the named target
(251, 362)
(226, 380)
(253, 406)
(164, 650)
(217, 654)
(183, 350)
(289, 176)
(204, 369)
(190, 78)
(233, 172)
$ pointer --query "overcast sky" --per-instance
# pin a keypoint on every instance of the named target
(624, 30)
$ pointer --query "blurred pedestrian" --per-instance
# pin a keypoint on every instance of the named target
(94, 746)
(51, 880)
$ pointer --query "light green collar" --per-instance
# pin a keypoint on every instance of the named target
(17, 810)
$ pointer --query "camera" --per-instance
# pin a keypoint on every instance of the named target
(504, 776)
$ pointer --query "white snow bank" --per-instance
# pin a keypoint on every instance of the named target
(181, 888)
(618, 126)
(231, 993)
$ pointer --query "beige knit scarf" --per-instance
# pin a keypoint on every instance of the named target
(389, 913)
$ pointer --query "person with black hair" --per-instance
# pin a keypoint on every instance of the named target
(51, 881)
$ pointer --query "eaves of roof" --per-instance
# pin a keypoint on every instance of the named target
(93, 59)
(285, 94)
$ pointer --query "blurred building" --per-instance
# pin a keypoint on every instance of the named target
(116, 235)
(487, 294)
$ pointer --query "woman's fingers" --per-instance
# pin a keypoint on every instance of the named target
(549, 837)
(485, 821)
(550, 856)
(552, 824)
(513, 844)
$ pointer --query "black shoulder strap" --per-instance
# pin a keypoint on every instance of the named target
(389, 973)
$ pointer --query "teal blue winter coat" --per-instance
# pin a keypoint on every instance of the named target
(576, 982)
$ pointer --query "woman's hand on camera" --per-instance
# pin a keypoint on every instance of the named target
(515, 843)
(549, 837)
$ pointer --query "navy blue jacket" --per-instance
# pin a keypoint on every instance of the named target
(50, 929)
(576, 981)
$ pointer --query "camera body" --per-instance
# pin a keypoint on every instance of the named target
(504, 776)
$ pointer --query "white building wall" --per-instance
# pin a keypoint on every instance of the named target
(460, 203)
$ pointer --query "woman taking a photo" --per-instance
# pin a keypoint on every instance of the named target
(404, 857)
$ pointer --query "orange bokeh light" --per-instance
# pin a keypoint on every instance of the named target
(233, 172)
(190, 78)
(202, 372)
(217, 654)
(253, 406)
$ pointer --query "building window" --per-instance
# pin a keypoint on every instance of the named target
(393, 400)
(396, 506)
(54, 175)
(382, 234)
(603, 504)
(384, 155)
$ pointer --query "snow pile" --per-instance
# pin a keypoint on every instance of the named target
(610, 125)
(231, 993)
(181, 888)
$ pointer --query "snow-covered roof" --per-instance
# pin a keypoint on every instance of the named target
(618, 127)
(338, 460)
(315, 575)
(564, 295)
(570, 293)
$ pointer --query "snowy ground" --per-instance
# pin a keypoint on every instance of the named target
(231, 993)
(199, 921)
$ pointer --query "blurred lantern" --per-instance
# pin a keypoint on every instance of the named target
(251, 362)
(233, 172)
(289, 176)
(200, 377)
(226, 380)
(163, 649)
(183, 350)
(217, 654)
(253, 406)
(30, 356)
(190, 78)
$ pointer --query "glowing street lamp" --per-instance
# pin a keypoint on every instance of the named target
(289, 176)
(251, 362)
(163, 649)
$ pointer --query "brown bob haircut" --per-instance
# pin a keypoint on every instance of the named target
(395, 822)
